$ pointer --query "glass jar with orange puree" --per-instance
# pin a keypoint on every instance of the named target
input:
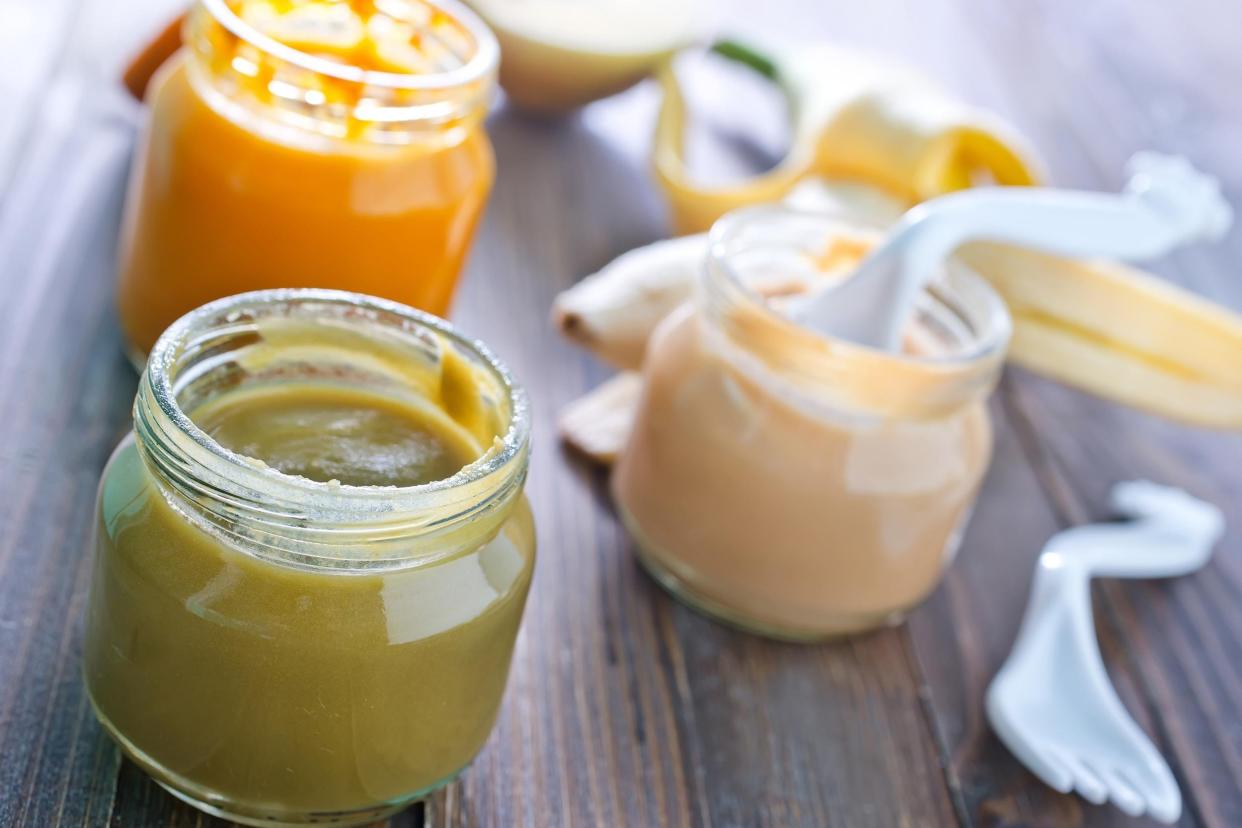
(309, 143)
(795, 484)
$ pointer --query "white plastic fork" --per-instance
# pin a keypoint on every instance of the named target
(1052, 703)
(1167, 203)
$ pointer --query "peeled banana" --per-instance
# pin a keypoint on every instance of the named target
(613, 312)
(1102, 327)
(855, 118)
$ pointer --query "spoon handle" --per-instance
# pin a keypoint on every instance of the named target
(1172, 534)
(1080, 224)
(1166, 203)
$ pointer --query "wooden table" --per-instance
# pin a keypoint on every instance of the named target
(624, 708)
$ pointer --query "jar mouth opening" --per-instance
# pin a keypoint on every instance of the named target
(482, 62)
(988, 332)
(180, 342)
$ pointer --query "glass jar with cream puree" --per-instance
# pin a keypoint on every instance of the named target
(308, 143)
(312, 556)
(791, 483)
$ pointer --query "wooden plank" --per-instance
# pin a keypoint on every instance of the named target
(50, 44)
(1136, 84)
(32, 39)
(1181, 636)
(106, 35)
(602, 719)
(624, 708)
(65, 401)
(1013, 59)
(963, 633)
(1030, 62)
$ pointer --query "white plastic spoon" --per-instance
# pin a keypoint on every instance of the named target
(1167, 203)
(1051, 703)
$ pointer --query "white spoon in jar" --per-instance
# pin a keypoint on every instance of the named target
(1167, 203)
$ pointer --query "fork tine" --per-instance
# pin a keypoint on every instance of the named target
(1159, 786)
(1045, 764)
(1088, 785)
(1123, 794)
(1164, 803)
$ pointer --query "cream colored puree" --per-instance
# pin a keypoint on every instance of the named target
(796, 520)
(249, 683)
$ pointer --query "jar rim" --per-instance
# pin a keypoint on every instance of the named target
(832, 374)
(728, 229)
(161, 373)
(483, 62)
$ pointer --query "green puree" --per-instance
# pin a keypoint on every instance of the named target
(251, 684)
(325, 433)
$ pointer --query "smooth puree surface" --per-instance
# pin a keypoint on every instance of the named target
(347, 435)
(273, 690)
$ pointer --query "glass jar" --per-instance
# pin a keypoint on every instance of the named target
(277, 650)
(794, 484)
(263, 166)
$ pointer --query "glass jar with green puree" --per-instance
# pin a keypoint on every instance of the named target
(313, 553)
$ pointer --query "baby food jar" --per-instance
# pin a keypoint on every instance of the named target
(277, 649)
(308, 144)
(794, 484)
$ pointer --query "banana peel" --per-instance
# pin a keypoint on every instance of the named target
(1118, 332)
(613, 312)
(1105, 328)
(854, 117)
(598, 423)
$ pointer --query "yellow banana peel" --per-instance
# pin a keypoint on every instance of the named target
(1102, 327)
(854, 118)
(1108, 329)
(1119, 332)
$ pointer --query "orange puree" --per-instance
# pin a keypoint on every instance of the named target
(265, 166)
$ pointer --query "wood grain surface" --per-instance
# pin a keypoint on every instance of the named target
(624, 708)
